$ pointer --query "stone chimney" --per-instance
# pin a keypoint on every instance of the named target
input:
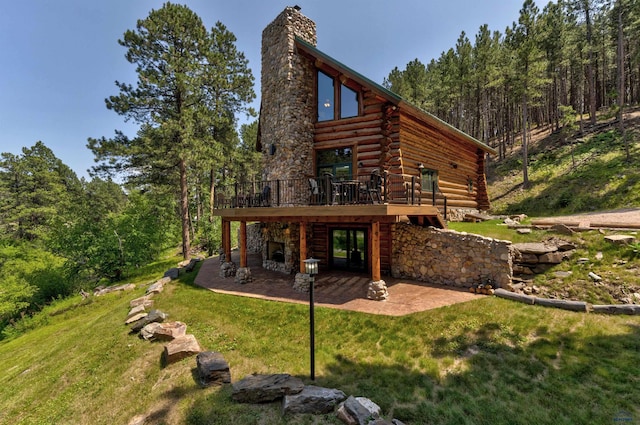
(287, 110)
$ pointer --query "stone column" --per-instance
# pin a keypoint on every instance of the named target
(287, 114)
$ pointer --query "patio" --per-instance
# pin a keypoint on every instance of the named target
(333, 289)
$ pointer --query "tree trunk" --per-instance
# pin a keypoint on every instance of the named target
(590, 74)
(621, 80)
(525, 147)
(212, 186)
(184, 211)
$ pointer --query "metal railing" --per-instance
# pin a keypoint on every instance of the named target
(326, 190)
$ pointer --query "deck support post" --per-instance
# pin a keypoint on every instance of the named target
(375, 251)
(243, 244)
(303, 245)
(226, 239)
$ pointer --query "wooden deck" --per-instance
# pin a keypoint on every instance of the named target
(384, 213)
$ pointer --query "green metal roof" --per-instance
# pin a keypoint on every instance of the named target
(386, 93)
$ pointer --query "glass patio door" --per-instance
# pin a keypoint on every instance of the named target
(348, 249)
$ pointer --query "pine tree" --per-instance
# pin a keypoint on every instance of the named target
(190, 83)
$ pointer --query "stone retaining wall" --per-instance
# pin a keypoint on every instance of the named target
(451, 258)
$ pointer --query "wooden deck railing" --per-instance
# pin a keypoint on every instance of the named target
(365, 189)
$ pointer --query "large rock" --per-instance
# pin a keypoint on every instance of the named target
(172, 273)
(180, 348)
(265, 388)
(145, 301)
(312, 399)
(213, 369)
(152, 316)
(136, 310)
(620, 239)
(537, 248)
(158, 285)
(163, 331)
(377, 291)
(360, 409)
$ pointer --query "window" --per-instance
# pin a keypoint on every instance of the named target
(469, 185)
(335, 161)
(331, 91)
(326, 97)
(348, 102)
(429, 180)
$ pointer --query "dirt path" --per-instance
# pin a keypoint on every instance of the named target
(625, 218)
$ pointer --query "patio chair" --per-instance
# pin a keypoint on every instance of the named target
(331, 186)
(316, 192)
(374, 187)
(264, 198)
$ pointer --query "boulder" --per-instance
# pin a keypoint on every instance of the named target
(360, 409)
(163, 331)
(213, 369)
(312, 399)
(135, 318)
(180, 348)
(158, 285)
(152, 316)
(146, 301)
(172, 273)
(265, 388)
(136, 310)
(631, 309)
(551, 257)
(620, 239)
(562, 229)
(192, 264)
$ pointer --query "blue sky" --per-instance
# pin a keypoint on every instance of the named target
(60, 59)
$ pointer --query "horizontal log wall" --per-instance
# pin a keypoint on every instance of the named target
(455, 160)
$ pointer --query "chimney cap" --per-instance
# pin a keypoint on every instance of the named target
(296, 7)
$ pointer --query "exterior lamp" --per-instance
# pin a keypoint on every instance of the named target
(311, 268)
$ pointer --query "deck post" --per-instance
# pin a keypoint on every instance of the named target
(226, 239)
(243, 244)
(375, 251)
(303, 245)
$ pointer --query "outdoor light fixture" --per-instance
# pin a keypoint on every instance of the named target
(420, 165)
(311, 268)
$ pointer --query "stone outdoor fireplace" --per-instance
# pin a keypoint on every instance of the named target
(280, 251)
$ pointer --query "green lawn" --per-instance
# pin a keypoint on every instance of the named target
(489, 361)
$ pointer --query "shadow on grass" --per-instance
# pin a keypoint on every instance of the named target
(486, 376)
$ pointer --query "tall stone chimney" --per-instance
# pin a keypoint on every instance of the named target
(287, 111)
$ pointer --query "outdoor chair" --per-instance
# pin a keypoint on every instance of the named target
(263, 199)
(332, 186)
(374, 187)
(316, 192)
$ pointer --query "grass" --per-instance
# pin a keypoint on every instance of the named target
(489, 361)
(600, 179)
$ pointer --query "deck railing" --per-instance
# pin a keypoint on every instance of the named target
(386, 188)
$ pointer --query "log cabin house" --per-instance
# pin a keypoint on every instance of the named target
(344, 161)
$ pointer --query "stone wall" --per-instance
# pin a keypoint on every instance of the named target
(287, 112)
(451, 258)
(255, 242)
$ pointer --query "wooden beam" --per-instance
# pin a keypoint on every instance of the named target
(243, 244)
(226, 239)
(303, 245)
(375, 251)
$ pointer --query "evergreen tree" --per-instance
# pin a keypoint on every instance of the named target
(190, 82)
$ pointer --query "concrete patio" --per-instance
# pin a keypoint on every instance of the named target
(333, 289)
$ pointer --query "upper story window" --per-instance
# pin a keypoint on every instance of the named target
(329, 91)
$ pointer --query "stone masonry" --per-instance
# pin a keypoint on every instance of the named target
(451, 258)
(287, 112)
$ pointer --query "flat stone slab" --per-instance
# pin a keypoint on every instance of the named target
(180, 348)
(537, 248)
(169, 331)
(152, 316)
(265, 388)
(145, 301)
(312, 399)
(620, 239)
(213, 369)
